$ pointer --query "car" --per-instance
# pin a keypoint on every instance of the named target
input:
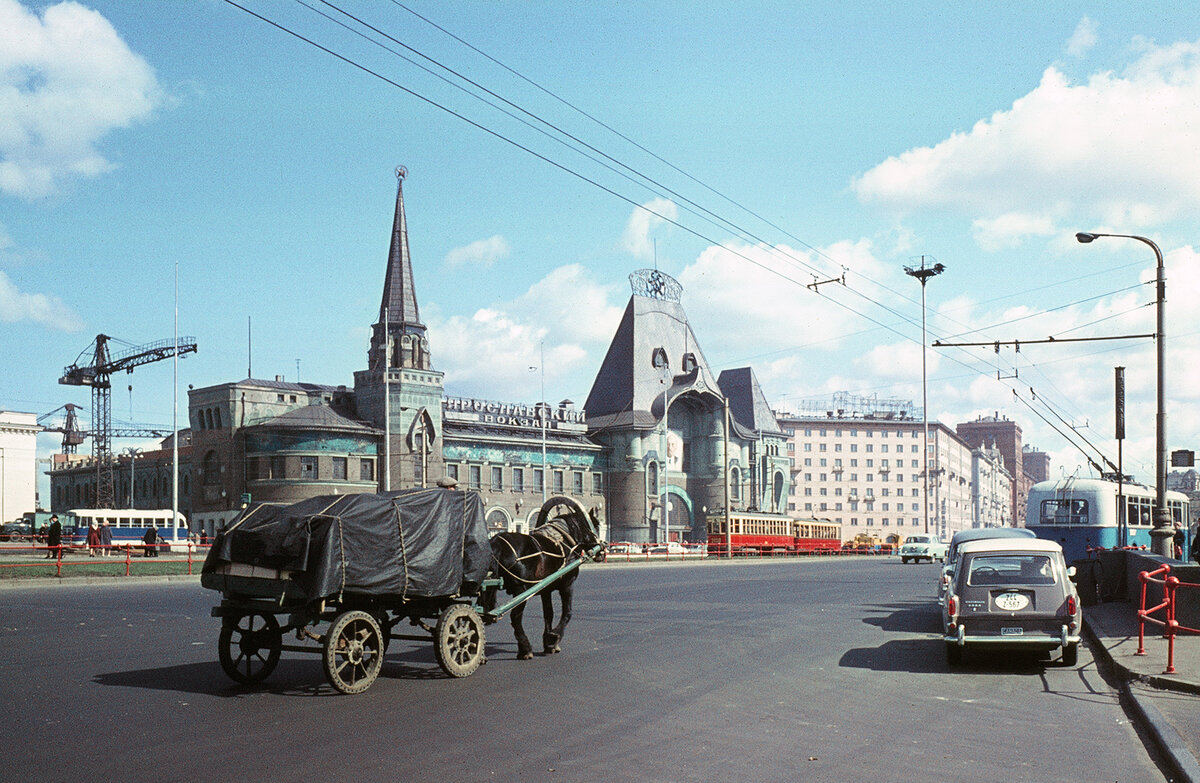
(624, 548)
(1012, 593)
(669, 548)
(973, 534)
(922, 547)
(16, 531)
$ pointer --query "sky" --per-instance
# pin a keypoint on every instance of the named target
(783, 161)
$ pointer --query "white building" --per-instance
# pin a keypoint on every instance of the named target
(991, 489)
(861, 466)
(18, 464)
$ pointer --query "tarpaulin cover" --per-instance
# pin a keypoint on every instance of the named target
(421, 543)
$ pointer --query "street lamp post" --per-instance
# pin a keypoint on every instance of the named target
(923, 274)
(1160, 536)
(133, 455)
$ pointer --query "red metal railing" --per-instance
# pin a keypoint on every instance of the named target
(73, 556)
(1169, 623)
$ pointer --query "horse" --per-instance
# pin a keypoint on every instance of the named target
(562, 532)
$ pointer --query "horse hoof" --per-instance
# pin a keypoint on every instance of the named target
(552, 650)
(525, 656)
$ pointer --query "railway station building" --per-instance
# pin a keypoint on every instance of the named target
(661, 443)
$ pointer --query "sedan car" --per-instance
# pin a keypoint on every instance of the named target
(1012, 593)
(921, 547)
(16, 531)
(973, 534)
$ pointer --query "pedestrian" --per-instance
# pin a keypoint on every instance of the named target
(54, 538)
(1196, 544)
(151, 542)
(1178, 540)
(93, 539)
(105, 539)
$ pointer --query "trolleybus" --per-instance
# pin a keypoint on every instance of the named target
(1081, 513)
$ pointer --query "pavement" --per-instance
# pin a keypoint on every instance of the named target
(1168, 703)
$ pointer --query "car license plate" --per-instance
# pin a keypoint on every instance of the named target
(1012, 602)
(1012, 631)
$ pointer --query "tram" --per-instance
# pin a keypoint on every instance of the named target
(1083, 513)
(757, 533)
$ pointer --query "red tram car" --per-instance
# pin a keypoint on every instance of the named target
(755, 533)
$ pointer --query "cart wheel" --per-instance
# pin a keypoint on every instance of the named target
(459, 641)
(353, 652)
(249, 647)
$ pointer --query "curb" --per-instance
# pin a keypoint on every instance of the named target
(55, 582)
(1168, 741)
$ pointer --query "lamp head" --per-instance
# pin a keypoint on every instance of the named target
(1083, 237)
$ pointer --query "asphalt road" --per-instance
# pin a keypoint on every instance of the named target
(826, 670)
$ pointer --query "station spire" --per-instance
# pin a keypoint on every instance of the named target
(399, 293)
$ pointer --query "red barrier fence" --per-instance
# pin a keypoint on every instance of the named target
(1169, 624)
(67, 557)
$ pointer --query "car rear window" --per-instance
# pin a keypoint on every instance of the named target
(1011, 569)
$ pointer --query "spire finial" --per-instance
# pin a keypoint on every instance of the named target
(401, 173)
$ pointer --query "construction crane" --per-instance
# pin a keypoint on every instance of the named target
(73, 434)
(97, 373)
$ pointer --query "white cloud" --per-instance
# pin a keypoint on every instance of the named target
(66, 80)
(1010, 229)
(1083, 39)
(1120, 147)
(15, 305)
(644, 219)
(481, 253)
(567, 315)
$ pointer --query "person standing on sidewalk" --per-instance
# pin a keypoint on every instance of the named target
(93, 539)
(53, 538)
(105, 539)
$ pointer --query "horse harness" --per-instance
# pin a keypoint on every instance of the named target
(554, 532)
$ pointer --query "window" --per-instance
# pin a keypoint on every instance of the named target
(597, 483)
(559, 486)
(497, 478)
(475, 477)
(452, 471)
(366, 470)
(278, 467)
(339, 468)
(539, 479)
(518, 480)
(577, 482)
(308, 468)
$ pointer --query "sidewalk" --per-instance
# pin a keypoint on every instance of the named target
(1169, 703)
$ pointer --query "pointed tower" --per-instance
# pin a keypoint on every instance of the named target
(400, 392)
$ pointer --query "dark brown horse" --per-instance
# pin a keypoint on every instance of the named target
(562, 532)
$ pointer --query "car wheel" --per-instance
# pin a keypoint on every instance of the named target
(1070, 655)
(904, 560)
(953, 654)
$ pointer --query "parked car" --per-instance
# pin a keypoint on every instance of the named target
(16, 531)
(1012, 593)
(973, 534)
(624, 548)
(922, 547)
(669, 548)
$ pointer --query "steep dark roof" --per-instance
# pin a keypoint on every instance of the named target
(747, 403)
(629, 387)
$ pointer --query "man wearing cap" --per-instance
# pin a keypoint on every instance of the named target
(54, 537)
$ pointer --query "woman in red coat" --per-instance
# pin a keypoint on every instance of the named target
(93, 540)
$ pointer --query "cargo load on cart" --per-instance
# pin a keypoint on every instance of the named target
(412, 544)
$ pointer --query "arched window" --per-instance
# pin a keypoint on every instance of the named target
(735, 484)
(652, 479)
(211, 469)
(217, 417)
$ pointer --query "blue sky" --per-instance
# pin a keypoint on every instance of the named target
(139, 136)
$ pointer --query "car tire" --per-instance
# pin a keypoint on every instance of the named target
(904, 560)
(1070, 655)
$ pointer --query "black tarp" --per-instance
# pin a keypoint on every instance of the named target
(421, 543)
